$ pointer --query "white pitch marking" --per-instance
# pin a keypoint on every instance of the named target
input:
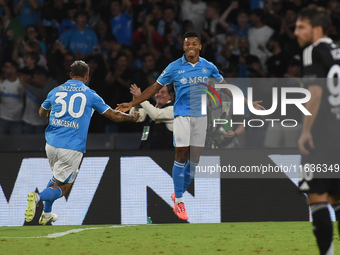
(59, 234)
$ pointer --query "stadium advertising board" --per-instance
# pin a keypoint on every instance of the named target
(130, 187)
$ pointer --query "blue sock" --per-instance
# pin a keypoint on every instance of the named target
(178, 178)
(48, 206)
(51, 182)
(50, 194)
(189, 173)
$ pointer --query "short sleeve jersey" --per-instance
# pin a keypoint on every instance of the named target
(71, 105)
(321, 64)
(190, 82)
(84, 41)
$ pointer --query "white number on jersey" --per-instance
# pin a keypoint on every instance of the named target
(333, 85)
(60, 100)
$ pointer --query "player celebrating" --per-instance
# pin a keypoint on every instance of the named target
(187, 73)
(69, 107)
(319, 142)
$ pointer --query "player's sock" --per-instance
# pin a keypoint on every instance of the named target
(48, 206)
(336, 208)
(189, 173)
(322, 228)
(178, 178)
(50, 194)
(51, 182)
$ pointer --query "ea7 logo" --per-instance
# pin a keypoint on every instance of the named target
(182, 71)
(34, 174)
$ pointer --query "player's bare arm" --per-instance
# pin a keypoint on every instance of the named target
(43, 112)
(149, 92)
(119, 116)
(256, 104)
(312, 106)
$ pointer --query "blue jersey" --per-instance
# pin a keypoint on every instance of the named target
(84, 41)
(189, 80)
(71, 106)
(122, 28)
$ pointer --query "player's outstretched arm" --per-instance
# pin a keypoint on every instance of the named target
(256, 104)
(43, 112)
(149, 92)
(118, 116)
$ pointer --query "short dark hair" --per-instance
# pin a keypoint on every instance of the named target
(317, 16)
(259, 13)
(39, 70)
(79, 68)
(33, 55)
(81, 13)
(192, 33)
(13, 63)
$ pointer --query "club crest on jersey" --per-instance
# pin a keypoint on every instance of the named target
(204, 70)
(184, 80)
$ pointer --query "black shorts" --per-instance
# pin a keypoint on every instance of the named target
(320, 172)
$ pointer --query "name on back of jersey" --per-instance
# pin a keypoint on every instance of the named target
(65, 123)
(72, 88)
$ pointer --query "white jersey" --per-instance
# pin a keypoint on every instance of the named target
(12, 99)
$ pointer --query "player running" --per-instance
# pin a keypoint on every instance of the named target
(69, 107)
(187, 73)
(319, 142)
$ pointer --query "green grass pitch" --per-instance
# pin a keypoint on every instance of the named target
(224, 238)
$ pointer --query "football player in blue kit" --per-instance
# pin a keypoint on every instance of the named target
(188, 74)
(69, 108)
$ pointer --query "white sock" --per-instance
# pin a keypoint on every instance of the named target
(47, 214)
(179, 200)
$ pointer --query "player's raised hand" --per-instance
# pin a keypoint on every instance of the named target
(306, 139)
(123, 107)
(257, 105)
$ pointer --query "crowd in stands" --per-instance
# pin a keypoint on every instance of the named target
(132, 41)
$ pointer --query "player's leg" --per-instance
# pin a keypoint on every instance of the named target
(181, 142)
(335, 201)
(189, 169)
(322, 224)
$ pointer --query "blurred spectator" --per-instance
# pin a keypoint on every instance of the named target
(223, 136)
(194, 10)
(23, 47)
(80, 40)
(157, 13)
(213, 31)
(291, 46)
(114, 49)
(97, 83)
(147, 75)
(68, 22)
(55, 10)
(118, 82)
(257, 4)
(277, 135)
(32, 35)
(148, 34)
(242, 25)
(158, 120)
(169, 25)
(102, 31)
(6, 45)
(122, 21)
(12, 98)
(259, 35)
(277, 63)
(61, 72)
(28, 11)
(36, 93)
(31, 60)
(12, 25)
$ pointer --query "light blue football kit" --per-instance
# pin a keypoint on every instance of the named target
(188, 80)
(71, 106)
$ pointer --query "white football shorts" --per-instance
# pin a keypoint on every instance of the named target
(65, 163)
(190, 131)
